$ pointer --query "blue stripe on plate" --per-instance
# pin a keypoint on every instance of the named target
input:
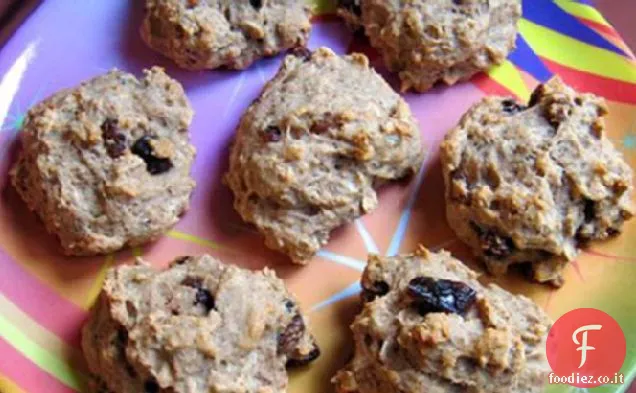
(525, 58)
(548, 14)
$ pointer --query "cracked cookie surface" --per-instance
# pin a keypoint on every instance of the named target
(430, 41)
(428, 325)
(107, 164)
(310, 150)
(531, 184)
(208, 34)
(198, 326)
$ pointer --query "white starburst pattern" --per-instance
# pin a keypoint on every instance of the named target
(12, 113)
(15, 118)
(261, 73)
(11, 81)
(371, 247)
(235, 92)
(369, 243)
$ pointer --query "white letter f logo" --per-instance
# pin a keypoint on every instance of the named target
(584, 348)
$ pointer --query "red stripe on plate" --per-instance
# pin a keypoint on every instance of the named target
(605, 29)
(331, 17)
(490, 86)
(611, 89)
(44, 305)
(608, 32)
(27, 374)
(609, 256)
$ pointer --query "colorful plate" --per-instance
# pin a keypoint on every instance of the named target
(44, 297)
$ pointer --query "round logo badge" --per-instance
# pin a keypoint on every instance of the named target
(586, 348)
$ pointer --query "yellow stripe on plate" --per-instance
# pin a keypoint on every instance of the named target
(194, 239)
(137, 252)
(506, 74)
(38, 333)
(321, 7)
(40, 356)
(96, 288)
(8, 386)
(576, 54)
(582, 11)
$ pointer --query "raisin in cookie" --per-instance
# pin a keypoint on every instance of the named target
(207, 34)
(429, 41)
(531, 184)
(107, 164)
(199, 326)
(428, 325)
(310, 150)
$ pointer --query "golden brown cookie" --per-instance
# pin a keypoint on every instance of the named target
(428, 325)
(199, 326)
(310, 150)
(531, 184)
(207, 34)
(107, 164)
(430, 41)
